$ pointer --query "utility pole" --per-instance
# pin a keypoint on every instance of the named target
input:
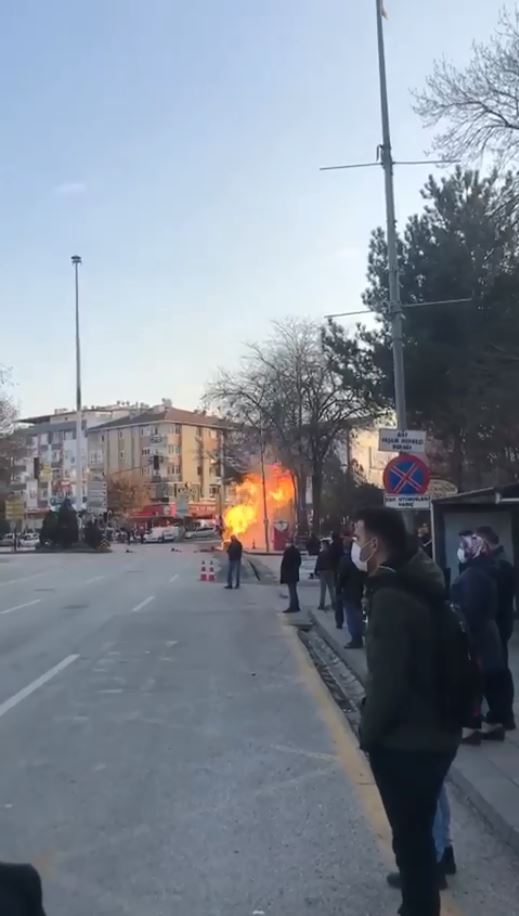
(76, 261)
(395, 303)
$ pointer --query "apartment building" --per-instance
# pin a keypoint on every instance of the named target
(49, 447)
(177, 451)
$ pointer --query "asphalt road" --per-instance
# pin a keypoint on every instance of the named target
(169, 750)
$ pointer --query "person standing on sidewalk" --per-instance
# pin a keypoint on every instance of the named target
(411, 744)
(351, 578)
(325, 574)
(475, 594)
(290, 576)
(505, 577)
(234, 553)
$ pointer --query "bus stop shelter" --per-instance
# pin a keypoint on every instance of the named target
(494, 506)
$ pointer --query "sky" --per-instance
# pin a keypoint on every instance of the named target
(176, 147)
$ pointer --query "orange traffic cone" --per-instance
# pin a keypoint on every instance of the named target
(211, 576)
(203, 574)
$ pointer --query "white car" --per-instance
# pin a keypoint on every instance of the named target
(30, 539)
(161, 534)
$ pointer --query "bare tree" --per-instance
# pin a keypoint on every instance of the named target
(11, 443)
(478, 104)
(289, 391)
(127, 493)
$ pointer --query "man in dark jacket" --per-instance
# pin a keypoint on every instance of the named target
(505, 577)
(290, 575)
(475, 593)
(325, 574)
(336, 554)
(410, 747)
(234, 553)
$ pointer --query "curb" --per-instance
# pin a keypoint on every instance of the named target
(502, 828)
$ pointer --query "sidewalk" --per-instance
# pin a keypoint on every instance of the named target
(487, 775)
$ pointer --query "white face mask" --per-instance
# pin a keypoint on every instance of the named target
(355, 557)
(462, 558)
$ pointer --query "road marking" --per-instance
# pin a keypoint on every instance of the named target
(353, 761)
(25, 692)
(32, 576)
(94, 579)
(140, 606)
(18, 607)
(174, 577)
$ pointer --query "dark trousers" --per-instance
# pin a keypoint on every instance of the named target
(501, 702)
(409, 783)
(294, 597)
(233, 573)
(339, 611)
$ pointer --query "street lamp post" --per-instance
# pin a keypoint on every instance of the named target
(395, 302)
(76, 261)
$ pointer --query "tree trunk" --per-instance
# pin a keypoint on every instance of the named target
(317, 493)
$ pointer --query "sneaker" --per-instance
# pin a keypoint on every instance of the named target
(448, 861)
(354, 644)
(493, 733)
(228, 587)
(471, 737)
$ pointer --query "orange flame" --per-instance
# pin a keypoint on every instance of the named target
(246, 517)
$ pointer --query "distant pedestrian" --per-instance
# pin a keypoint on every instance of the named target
(475, 594)
(290, 565)
(425, 539)
(142, 536)
(410, 738)
(313, 545)
(234, 553)
(351, 578)
(505, 577)
(326, 575)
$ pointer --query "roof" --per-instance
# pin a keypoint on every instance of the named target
(163, 415)
(488, 495)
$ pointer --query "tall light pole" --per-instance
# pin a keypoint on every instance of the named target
(395, 302)
(76, 261)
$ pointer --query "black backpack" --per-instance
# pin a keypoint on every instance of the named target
(458, 673)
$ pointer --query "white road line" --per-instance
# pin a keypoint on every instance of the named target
(35, 685)
(18, 607)
(93, 579)
(142, 604)
(174, 577)
(25, 578)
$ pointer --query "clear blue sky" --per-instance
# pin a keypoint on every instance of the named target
(176, 147)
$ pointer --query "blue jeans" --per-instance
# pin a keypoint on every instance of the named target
(294, 598)
(442, 824)
(355, 622)
(233, 572)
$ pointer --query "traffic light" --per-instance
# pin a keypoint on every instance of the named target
(156, 463)
(36, 468)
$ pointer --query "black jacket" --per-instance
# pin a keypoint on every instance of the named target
(504, 576)
(323, 562)
(350, 581)
(401, 709)
(475, 594)
(20, 891)
(290, 566)
(235, 550)
(336, 551)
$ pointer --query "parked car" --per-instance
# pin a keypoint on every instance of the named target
(161, 534)
(29, 539)
(7, 540)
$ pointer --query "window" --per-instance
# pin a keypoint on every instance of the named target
(199, 470)
(141, 431)
(121, 454)
(177, 449)
(155, 430)
(102, 437)
(214, 490)
(171, 449)
(121, 434)
(145, 451)
(178, 429)
(199, 430)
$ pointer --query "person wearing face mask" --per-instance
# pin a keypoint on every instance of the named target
(410, 744)
(351, 576)
(475, 594)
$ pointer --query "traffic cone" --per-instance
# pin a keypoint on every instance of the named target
(211, 577)
(203, 573)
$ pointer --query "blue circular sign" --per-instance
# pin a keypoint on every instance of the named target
(406, 475)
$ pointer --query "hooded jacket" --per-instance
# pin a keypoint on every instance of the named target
(402, 705)
(475, 592)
